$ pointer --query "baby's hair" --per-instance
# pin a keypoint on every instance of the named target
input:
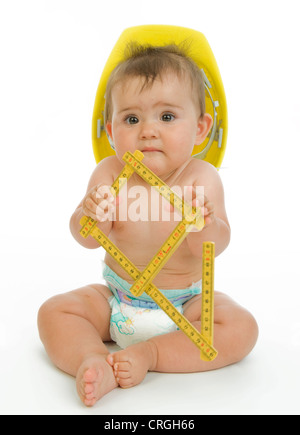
(152, 63)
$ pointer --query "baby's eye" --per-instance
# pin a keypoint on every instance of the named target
(167, 117)
(131, 120)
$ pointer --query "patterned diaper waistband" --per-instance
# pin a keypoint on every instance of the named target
(121, 290)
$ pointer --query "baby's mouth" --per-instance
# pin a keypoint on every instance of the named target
(151, 150)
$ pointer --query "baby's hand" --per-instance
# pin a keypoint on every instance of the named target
(99, 203)
(207, 208)
(197, 199)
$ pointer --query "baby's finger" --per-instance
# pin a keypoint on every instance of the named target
(196, 203)
(90, 204)
(89, 208)
(103, 204)
(105, 193)
(201, 199)
(208, 220)
(209, 213)
(209, 206)
(205, 211)
(101, 214)
(105, 211)
(168, 207)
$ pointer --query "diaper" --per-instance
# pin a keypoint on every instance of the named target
(138, 319)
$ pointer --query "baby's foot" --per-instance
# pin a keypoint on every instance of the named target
(94, 379)
(132, 364)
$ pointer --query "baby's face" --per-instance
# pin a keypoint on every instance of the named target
(162, 121)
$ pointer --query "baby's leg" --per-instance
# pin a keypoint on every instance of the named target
(73, 327)
(235, 334)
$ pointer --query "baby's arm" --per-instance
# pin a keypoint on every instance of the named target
(97, 204)
(217, 228)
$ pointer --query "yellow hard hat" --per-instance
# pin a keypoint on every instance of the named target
(213, 148)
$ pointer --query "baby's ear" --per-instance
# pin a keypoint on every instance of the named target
(108, 129)
(205, 123)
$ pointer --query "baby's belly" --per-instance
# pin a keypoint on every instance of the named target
(180, 271)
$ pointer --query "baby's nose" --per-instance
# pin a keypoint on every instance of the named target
(149, 130)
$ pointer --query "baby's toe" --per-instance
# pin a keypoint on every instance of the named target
(119, 360)
(91, 402)
(120, 357)
(122, 366)
(122, 375)
(90, 396)
(90, 376)
(89, 388)
(126, 383)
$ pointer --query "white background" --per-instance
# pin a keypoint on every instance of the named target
(52, 55)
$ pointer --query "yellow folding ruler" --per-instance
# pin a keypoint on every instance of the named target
(143, 280)
(207, 314)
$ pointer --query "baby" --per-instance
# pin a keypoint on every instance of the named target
(155, 103)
